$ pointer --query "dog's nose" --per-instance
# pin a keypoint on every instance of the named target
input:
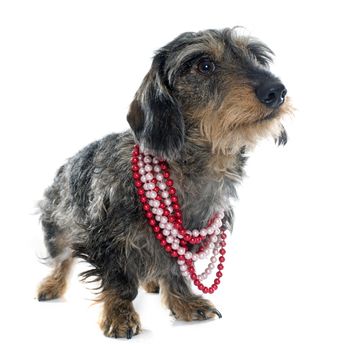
(271, 94)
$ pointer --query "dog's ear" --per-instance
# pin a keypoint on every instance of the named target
(154, 115)
(282, 138)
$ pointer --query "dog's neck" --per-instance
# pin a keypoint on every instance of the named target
(205, 181)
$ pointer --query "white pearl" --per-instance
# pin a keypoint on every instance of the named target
(170, 209)
(211, 245)
(181, 251)
(221, 215)
(148, 168)
(204, 275)
(203, 232)
(170, 239)
(159, 177)
(165, 194)
(147, 159)
(167, 202)
(149, 177)
(161, 225)
(156, 203)
(139, 157)
(169, 226)
(213, 259)
(166, 232)
(158, 217)
(162, 186)
(185, 273)
(215, 252)
(145, 151)
(151, 186)
(151, 202)
(217, 231)
(214, 239)
(142, 171)
(174, 232)
(211, 266)
(183, 267)
(208, 271)
(153, 194)
(210, 230)
(201, 255)
(157, 169)
(181, 262)
(188, 255)
(195, 233)
(160, 211)
(155, 160)
(140, 164)
(200, 277)
(175, 246)
(143, 178)
(195, 257)
(163, 219)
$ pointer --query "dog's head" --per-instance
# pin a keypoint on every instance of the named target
(215, 82)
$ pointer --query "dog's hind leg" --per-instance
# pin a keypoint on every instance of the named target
(60, 255)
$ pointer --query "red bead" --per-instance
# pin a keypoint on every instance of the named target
(174, 254)
(223, 235)
(166, 212)
(166, 174)
(187, 237)
(191, 269)
(192, 241)
(181, 257)
(188, 262)
(211, 290)
(176, 206)
(154, 180)
(173, 199)
(197, 240)
(196, 282)
(172, 190)
(157, 189)
(135, 153)
(136, 176)
(162, 205)
(179, 221)
(223, 244)
(169, 182)
(163, 243)
(217, 281)
(171, 219)
(156, 229)
(177, 225)
(219, 274)
(138, 183)
(214, 286)
(205, 290)
(159, 236)
(158, 197)
(178, 214)
(152, 222)
(220, 267)
(134, 160)
(135, 168)
(149, 215)
(143, 199)
(221, 259)
(163, 166)
(193, 276)
(140, 191)
(200, 286)
(146, 207)
(168, 248)
(182, 232)
(222, 251)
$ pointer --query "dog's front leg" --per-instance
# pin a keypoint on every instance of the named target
(183, 303)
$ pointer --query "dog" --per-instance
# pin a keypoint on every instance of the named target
(206, 101)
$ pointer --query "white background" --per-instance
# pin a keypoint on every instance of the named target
(68, 71)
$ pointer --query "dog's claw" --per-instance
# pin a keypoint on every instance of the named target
(129, 333)
(216, 312)
(202, 314)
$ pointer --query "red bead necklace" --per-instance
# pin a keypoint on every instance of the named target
(162, 210)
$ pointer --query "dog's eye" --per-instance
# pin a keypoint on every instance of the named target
(205, 66)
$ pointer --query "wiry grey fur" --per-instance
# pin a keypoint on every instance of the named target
(92, 209)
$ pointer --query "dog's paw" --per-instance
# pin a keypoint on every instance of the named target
(121, 324)
(195, 309)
